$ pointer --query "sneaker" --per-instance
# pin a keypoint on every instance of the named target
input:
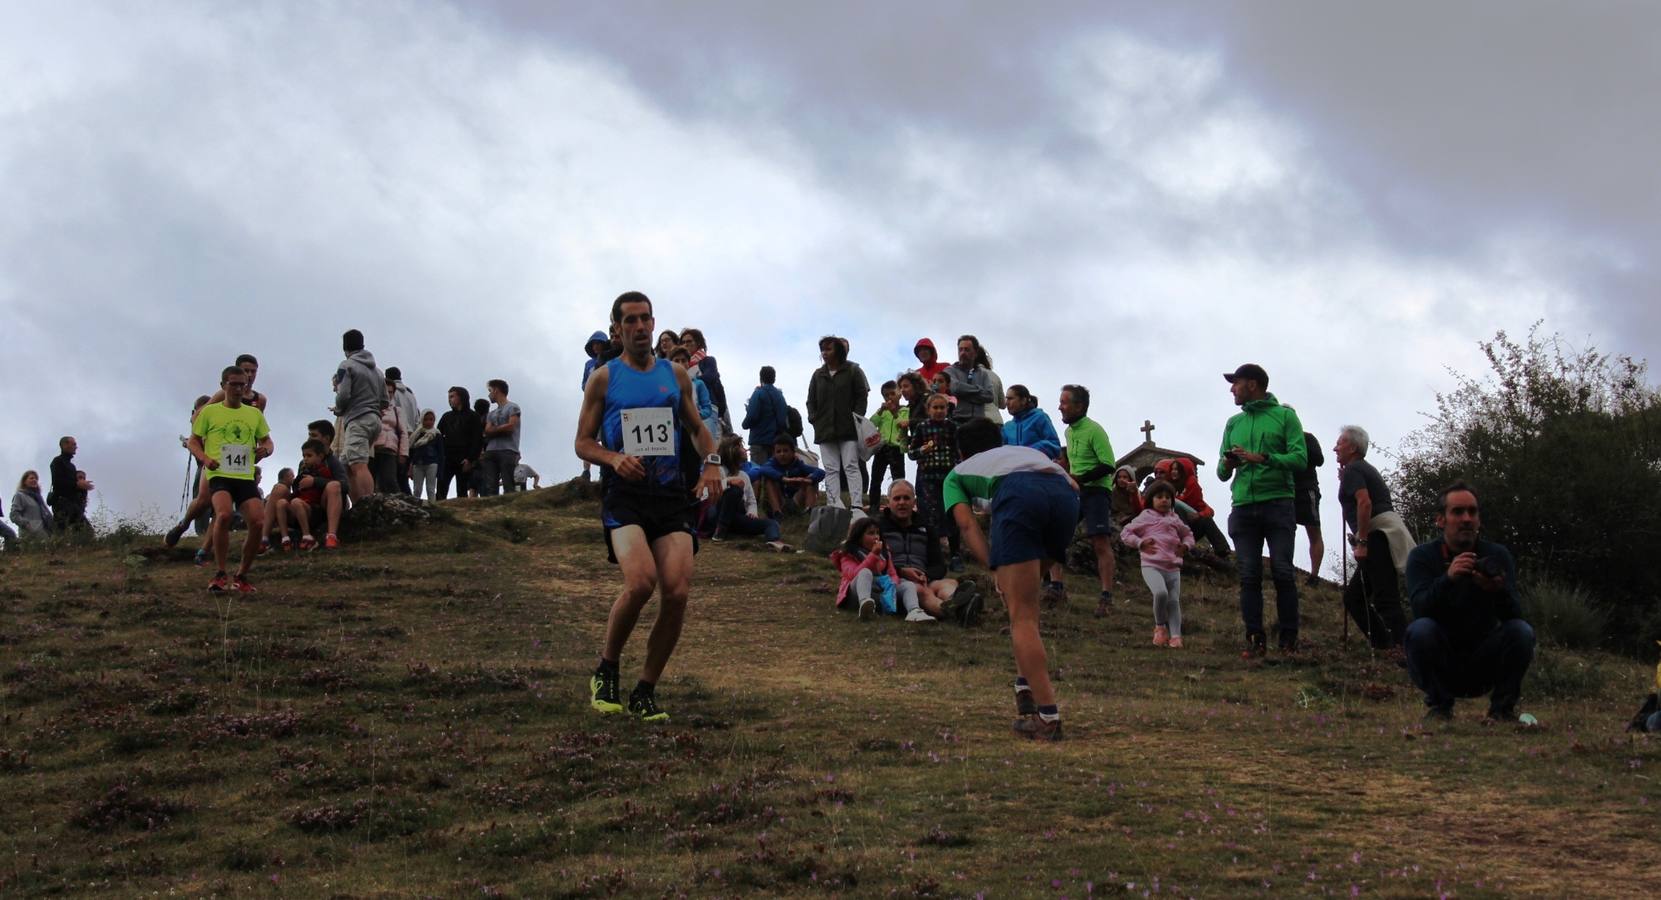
(644, 706)
(1024, 704)
(330, 542)
(1054, 595)
(1161, 636)
(219, 583)
(174, 533)
(717, 536)
(1438, 714)
(242, 585)
(1104, 605)
(956, 563)
(1256, 646)
(265, 546)
(917, 615)
(307, 542)
(602, 691)
(867, 609)
(1288, 642)
(1176, 642)
(288, 544)
(201, 559)
(1312, 581)
(1035, 728)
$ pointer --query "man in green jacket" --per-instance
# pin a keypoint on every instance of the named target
(1262, 447)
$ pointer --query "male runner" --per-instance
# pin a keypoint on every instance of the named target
(202, 502)
(643, 408)
(227, 439)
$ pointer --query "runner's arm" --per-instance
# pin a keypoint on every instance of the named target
(974, 540)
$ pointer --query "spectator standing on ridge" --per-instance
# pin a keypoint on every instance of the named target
(360, 395)
(766, 415)
(667, 341)
(892, 423)
(1306, 485)
(595, 349)
(391, 445)
(501, 433)
(426, 455)
(1262, 448)
(8, 537)
(68, 497)
(969, 383)
(1029, 426)
(1089, 459)
(836, 392)
(1468, 637)
(460, 429)
(983, 359)
(475, 485)
(928, 359)
(29, 511)
(693, 340)
(1381, 542)
(409, 413)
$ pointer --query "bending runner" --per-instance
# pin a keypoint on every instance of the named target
(643, 407)
(227, 439)
(1034, 510)
(203, 502)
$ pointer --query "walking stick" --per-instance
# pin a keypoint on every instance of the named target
(1344, 561)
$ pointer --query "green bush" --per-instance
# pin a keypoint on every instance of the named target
(1563, 614)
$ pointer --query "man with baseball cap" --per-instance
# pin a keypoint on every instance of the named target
(1262, 447)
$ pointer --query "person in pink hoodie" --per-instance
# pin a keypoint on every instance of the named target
(867, 570)
(1159, 534)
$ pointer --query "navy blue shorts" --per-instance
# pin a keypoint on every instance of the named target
(1096, 511)
(1033, 517)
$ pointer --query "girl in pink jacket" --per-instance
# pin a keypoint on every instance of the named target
(1158, 532)
(867, 568)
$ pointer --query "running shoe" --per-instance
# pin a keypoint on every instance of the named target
(243, 586)
(174, 533)
(644, 706)
(867, 609)
(917, 615)
(1035, 728)
(288, 544)
(1161, 636)
(1256, 646)
(1104, 605)
(307, 542)
(219, 583)
(201, 557)
(1054, 595)
(602, 688)
(330, 542)
(1024, 704)
(1176, 642)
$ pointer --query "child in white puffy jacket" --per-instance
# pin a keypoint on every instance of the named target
(1159, 533)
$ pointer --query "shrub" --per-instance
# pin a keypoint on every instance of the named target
(1563, 614)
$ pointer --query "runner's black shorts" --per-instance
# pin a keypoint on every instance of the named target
(656, 516)
(241, 489)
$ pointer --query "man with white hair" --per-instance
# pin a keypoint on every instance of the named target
(1380, 542)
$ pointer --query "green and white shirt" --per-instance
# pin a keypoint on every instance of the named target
(978, 476)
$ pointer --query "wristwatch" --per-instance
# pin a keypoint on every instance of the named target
(714, 459)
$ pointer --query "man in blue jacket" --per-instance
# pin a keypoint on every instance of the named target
(767, 417)
(1029, 426)
(1469, 637)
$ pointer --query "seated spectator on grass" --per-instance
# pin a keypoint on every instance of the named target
(789, 484)
(1191, 505)
(766, 415)
(869, 580)
(921, 561)
(1127, 499)
(317, 497)
(736, 513)
(29, 510)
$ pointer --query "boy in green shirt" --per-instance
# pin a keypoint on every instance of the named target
(892, 421)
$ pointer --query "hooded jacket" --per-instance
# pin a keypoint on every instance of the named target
(409, 411)
(1033, 428)
(595, 347)
(1263, 426)
(766, 415)
(848, 566)
(929, 370)
(360, 387)
(832, 400)
(1188, 487)
(1127, 502)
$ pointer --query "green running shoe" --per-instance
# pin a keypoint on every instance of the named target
(602, 687)
(645, 707)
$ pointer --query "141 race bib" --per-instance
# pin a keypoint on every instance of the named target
(649, 431)
(236, 459)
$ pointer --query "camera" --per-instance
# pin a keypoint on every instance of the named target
(1233, 457)
(1490, 567)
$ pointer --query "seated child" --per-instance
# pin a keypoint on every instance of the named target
(868, 568)
(735, 512)
(315, 496)
(787, 478)
(1163, 540)
(1190, 504)
(1127, 500)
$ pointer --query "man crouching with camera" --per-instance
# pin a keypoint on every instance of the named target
(1468, 636)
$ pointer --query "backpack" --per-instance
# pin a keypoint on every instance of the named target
(827, 528)
(793, 416)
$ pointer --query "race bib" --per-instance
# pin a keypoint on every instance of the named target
(236, 459)
(649, 431)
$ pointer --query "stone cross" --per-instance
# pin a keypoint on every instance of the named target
(1147, 431)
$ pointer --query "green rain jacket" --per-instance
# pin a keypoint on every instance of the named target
(1263, 426)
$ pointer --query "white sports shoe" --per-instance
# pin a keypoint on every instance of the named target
(917, 615)
(867, 609)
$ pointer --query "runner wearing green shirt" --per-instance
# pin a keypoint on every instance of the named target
(1089, 459)
(228, 438)
(1034, 510)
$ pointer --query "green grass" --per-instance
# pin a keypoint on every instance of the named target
(409, 717)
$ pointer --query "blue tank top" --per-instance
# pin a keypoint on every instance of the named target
(627, 389)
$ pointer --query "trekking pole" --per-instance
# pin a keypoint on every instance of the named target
(1344, 562)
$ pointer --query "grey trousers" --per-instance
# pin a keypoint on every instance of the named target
(1166, 588)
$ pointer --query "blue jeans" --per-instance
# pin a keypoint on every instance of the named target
(1497, 663)
(1274, 521)
(731, 518)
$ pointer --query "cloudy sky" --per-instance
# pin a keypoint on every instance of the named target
(1136, 197)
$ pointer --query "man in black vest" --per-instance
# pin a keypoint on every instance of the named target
(919, 559)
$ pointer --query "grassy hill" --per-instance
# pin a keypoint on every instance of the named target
(408, 716)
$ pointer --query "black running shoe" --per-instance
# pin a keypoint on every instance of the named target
(644, 706)
(1035, 728)
(174, 533)
(1024, 704)
(603, 691)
